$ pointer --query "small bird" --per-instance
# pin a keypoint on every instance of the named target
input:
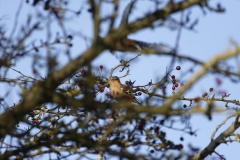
(127, 44)
(139, 46)
(121, 92)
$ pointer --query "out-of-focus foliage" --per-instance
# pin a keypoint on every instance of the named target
(66, 111)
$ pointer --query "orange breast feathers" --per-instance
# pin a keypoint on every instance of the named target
(118, 91)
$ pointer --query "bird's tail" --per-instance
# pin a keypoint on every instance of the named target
(159, 48)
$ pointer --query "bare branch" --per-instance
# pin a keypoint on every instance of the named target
(219, 140)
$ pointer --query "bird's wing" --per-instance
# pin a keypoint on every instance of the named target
(128, 92)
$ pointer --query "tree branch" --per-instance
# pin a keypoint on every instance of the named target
(219, 140)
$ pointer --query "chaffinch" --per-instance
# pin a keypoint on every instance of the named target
(134, 45)
(129, 44)
(121, 92)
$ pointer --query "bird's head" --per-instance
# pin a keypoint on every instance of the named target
(114, 80)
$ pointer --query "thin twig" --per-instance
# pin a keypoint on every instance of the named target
(220, 125)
